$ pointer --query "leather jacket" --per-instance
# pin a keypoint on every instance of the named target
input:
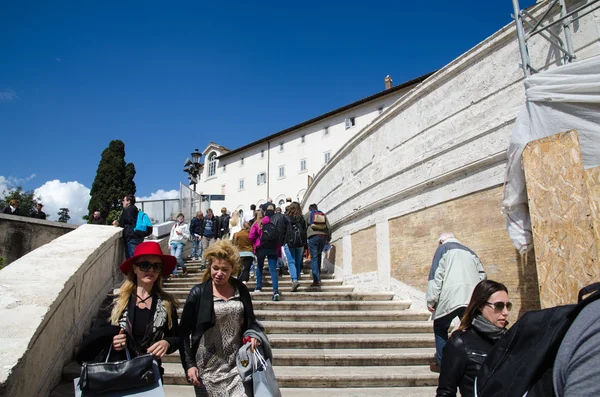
(461, 359)
(199, 315)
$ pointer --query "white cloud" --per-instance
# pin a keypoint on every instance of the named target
(72, 195)
(8, 96)
(11, 182)
(160, 195)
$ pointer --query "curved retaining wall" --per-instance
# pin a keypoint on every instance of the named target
(435, 162)
(47, 300)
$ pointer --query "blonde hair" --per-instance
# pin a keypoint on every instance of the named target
(258, 215)
(128, 288)
(223, 250)
(235, 218)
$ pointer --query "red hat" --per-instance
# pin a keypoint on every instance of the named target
(150, 248)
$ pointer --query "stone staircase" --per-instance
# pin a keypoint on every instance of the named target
(330, 341)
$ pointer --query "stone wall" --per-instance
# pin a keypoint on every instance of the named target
(20, 235)
(47, 300)
(439, 150)
(477, 223)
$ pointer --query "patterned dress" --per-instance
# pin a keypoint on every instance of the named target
(218, 348)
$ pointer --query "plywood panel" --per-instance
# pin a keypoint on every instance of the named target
(564, 241)
(592, 178)
(477, 222)
(364, 251)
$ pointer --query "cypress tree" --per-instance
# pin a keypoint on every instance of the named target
(114, 180)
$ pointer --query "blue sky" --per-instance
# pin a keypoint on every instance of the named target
(167, 77)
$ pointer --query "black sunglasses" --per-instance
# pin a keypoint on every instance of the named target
(145, 266)
(499, 306)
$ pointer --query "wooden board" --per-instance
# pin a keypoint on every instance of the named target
(563, 235)
(592, 178)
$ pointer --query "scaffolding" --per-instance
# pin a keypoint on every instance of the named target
(528, 26)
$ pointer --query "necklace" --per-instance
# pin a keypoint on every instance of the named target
(143, 300)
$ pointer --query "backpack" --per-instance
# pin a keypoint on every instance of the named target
(521, 362)
(295, 235)
(143, 225)
(269, 237)
(318, 220)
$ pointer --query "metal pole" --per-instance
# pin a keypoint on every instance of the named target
(567, 29)
(164, 211)
(521, 37)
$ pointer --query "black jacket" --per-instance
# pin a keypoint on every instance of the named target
(461, 359)
(7, 210)
(223, 225)
(215, 227)
(95, 346)
(127, 221)
(196, 226)
(38, 214)
(199, 315)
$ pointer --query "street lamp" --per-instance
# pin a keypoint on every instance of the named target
(193, 168)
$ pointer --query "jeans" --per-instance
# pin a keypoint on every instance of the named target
(196, 247)
(315, 246)
(295, 261)
(440, 329)
(177, 251)
(272, 260)
(130, 246)
(246, 263)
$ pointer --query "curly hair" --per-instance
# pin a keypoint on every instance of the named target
(223, 250)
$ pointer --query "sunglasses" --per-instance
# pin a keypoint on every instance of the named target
(146, 266)
(499, 306)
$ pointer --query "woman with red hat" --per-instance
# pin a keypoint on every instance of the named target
(140, 317)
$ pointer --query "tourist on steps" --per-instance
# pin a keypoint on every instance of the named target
(295, 239)
(265, 246)
(242, 242)
(180, 232)
(454, 272)
(483, 323)
(216, 316)
(140, 316)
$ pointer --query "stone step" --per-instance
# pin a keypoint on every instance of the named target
(331, 315)
(321, 328)
(302, 295)
(333, 376)
(333, 305)
(183, 292)
(344, 357)
(356, 341)
(194, 278)
(425, 391)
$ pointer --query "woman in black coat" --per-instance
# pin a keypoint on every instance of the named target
(141, 317)
(483, 323)
(216, 315)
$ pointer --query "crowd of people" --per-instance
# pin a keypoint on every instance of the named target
(13, 209)
(218, 320)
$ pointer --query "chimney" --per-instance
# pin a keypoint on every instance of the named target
(388, 82)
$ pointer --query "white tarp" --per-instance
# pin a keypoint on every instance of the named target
(558, 100)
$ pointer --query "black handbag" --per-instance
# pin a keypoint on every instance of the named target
(100, 378)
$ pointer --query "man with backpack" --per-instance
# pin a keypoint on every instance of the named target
(295, 240)
(127, 221)
(318, 235)
(224, 224)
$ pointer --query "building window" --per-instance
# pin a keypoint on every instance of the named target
(281, 146)
(327, 157)
(380, 109)
(223, 189)
(212, 164)
(303, 139)
(326, 131)
(261, 178)
(350, 122)
(241, 184)
(242, 161)
(281, 171)
(262, 154)
(302, 165)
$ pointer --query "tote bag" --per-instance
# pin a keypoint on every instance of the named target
(263, 377)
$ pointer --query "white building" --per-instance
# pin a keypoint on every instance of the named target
(282, 164)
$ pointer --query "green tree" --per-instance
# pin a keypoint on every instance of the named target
(114, 180)
(27, 200)
(63, 215)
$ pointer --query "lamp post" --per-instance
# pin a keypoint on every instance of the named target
(193, 168)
